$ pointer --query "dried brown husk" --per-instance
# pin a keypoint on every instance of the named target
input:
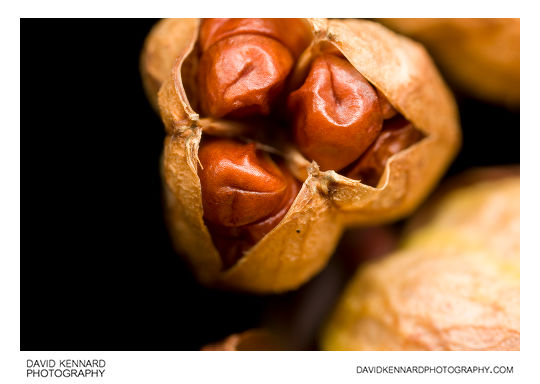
(479, 56)
(454, 285)
(301, 244)
(165, 42)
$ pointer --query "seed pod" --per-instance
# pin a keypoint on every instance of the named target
(405, 82)
(398, 135)
(244, 64)
(454, 285)
(251, 340)
(244, 194)
(336, 113)
(479, 56)
(225, 73)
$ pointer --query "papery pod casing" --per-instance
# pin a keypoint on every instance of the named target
(166, 41)
(301, 244)
(479, 56)
(454, 285)
(484, 214)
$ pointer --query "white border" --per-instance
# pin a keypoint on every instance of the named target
(273, 8)
(334, 367)
(10, 143)
(280, 367)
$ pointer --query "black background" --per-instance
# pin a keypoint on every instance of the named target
(97, 268)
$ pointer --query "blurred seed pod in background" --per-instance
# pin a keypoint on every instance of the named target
(479, 57)
(452, 285)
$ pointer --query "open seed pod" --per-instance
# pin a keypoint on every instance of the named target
(407, 139)
(454, 284)
(479, 56)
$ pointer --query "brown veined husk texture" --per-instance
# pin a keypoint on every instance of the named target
(454, 285)
(301, 244)
(479, 56)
